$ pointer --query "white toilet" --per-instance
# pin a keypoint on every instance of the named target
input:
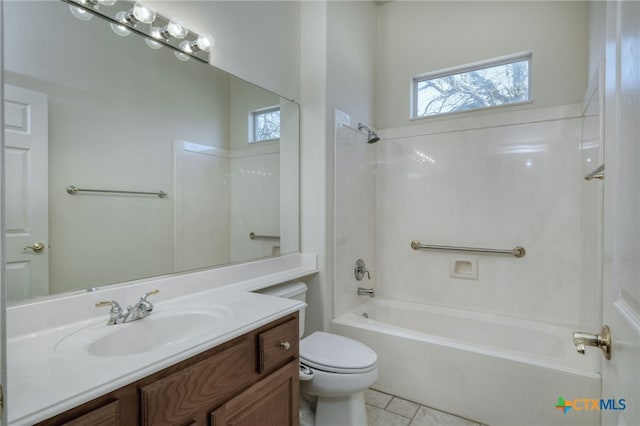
(334, 370)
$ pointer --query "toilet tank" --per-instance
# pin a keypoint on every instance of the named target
(297, 291)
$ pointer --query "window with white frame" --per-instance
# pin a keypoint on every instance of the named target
(265, 124)
(487, 84)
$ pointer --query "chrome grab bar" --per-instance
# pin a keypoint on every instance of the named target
(517, 251)
(255, 236)
(72, 189)
(596, 174)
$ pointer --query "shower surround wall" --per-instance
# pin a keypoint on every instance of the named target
(495, 181)
(355, 206)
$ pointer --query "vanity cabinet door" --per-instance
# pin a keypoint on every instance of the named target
(271, 402)
(187, 396)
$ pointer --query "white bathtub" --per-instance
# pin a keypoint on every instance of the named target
(489, 368)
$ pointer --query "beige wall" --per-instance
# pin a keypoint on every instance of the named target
(416, 37)
(258, 41)
(337, 71)
(597, 23)
(313, 159)
(351, 76)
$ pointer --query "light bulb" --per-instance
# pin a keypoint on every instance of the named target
(182, 56)
(205, 42)
(80, 13)
(143, 13)
(152, 43)
(120, 29)
(177, 29)
(185, 46)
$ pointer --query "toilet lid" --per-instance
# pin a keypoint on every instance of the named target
(330, 352)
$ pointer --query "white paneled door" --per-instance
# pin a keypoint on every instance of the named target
(26, 193)
(621, 274)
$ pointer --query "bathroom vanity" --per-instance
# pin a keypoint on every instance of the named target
(235, 362)
(250, 380)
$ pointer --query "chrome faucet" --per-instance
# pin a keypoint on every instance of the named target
(138, 311)
(366, 292)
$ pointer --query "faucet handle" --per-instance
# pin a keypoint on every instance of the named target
(115, 306)
(144, 306)
(115, 314)
(151, 293)
(361, 269)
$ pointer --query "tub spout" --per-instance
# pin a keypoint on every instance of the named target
(366, 292)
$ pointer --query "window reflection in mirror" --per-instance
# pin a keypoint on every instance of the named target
(89, 108)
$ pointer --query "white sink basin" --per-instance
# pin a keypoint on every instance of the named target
(161, 329)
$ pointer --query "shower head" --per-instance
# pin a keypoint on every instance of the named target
(372, 137)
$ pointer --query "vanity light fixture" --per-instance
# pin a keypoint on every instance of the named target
(127, 16)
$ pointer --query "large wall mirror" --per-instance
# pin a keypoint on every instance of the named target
(89, 109)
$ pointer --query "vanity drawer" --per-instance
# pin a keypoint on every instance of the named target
(180, 397)
(108, 415)
(278, 345)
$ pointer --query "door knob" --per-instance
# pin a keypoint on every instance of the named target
(602, 341)
(37, 247)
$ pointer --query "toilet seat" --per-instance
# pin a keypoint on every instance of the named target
(336, 354)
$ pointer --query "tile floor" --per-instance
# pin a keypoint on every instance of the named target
(389, 410)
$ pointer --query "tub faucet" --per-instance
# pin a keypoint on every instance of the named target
(366, 292)
(360, 270)
(138, 311)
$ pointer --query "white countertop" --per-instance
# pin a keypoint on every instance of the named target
(43, 382)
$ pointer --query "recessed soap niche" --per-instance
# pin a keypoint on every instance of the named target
(463, 267)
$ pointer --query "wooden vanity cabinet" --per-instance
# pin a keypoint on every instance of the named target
(106, 415)
(251, 380)
(272, 401)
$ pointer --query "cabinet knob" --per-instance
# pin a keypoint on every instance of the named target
(285, 345)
